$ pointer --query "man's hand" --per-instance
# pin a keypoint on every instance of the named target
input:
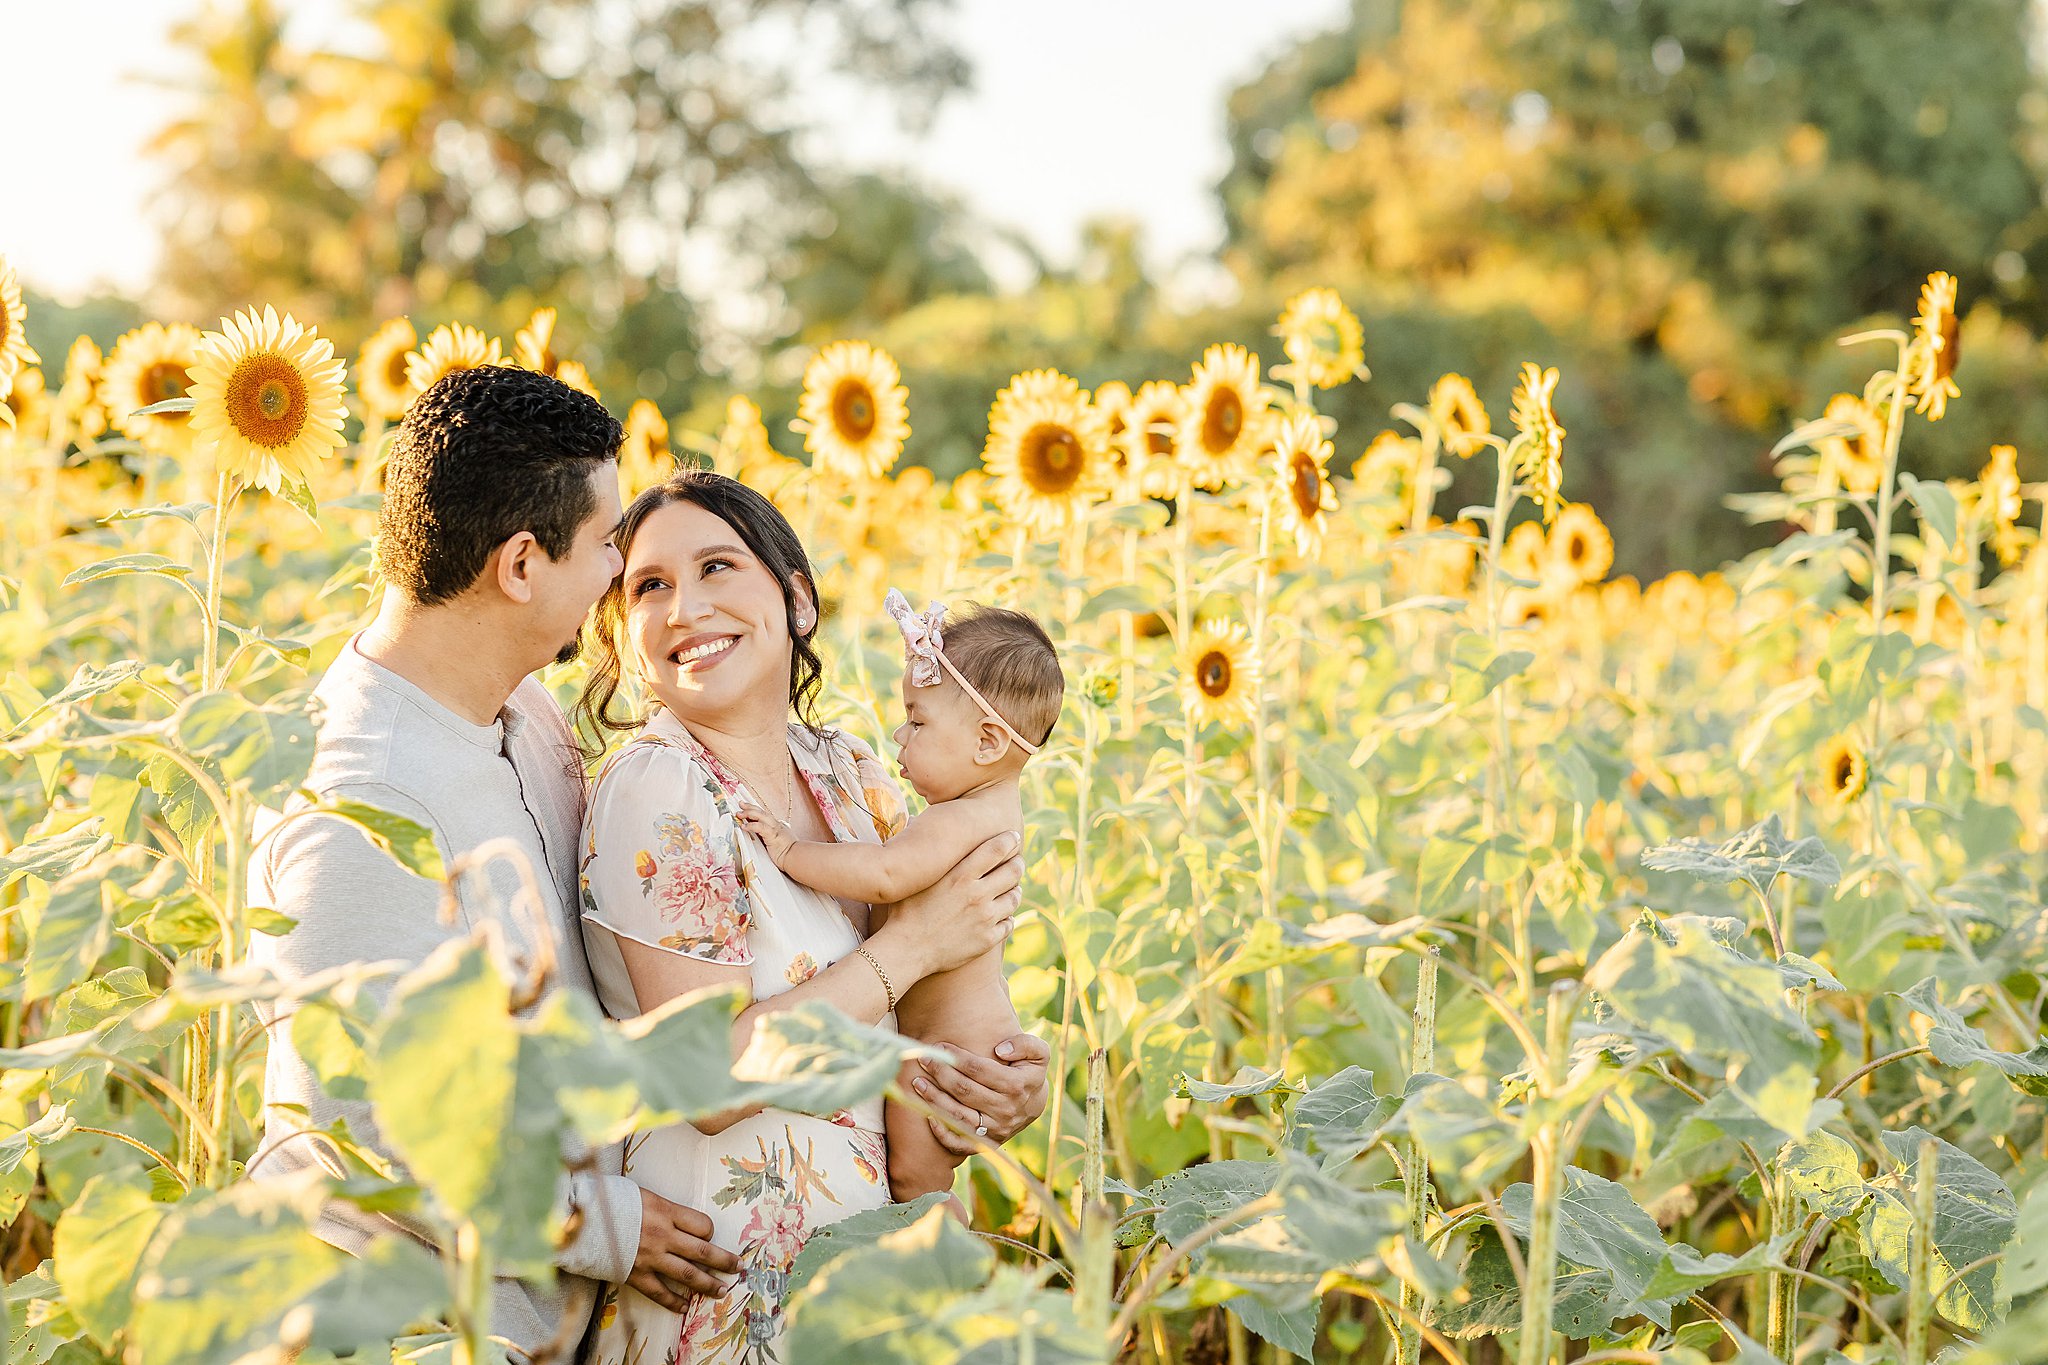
(676, 1258)
(774, 835)
(1005, 1095)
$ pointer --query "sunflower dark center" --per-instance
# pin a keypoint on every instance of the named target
(1951, 347)
(394, 367)
(1307, 487)
(1051, 458)
(1845, 771)
(1222, 420)
(1579, 548)
(162, 380)
(1212, 673)
(853, 409)
(266, 400)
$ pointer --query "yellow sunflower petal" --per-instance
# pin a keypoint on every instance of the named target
(381, 370)
(1322, 338)
(450, 347)
(1048, 449)
(1224, 424)
(1219, 675)
(854, 413)
(267, 393)
(147, 366)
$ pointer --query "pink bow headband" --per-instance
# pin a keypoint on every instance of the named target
(924, 650)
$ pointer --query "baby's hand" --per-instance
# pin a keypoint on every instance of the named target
(773, 834)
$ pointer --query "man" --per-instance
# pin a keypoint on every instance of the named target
(494, 541)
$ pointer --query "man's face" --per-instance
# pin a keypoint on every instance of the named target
(578, 579)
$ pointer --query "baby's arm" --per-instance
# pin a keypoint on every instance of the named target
(881, 874)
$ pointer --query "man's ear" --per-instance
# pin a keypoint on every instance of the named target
(513, 565)
(991, 743)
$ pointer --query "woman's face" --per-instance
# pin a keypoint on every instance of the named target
(706, 624)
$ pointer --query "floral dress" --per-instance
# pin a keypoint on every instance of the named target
(665, 864)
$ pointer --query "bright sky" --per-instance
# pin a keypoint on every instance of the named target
(1080, 108)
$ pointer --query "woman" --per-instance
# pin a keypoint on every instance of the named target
(714, 612)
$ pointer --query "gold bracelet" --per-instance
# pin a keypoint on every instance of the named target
(887, 989)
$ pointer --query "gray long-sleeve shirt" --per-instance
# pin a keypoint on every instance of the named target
(385, 742)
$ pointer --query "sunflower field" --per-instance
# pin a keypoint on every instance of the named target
(1448, 951)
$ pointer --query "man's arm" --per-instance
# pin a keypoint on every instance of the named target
(352, 902)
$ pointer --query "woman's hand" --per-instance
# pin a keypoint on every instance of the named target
(774, 835)
(1004, 1096)
(963, 915)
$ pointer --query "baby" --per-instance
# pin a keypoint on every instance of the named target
(979, 699)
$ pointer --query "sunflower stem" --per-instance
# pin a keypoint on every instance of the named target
(1268, 844)
(1191, 762)
(224, 492)
(1415, 1160)
(1499, 792)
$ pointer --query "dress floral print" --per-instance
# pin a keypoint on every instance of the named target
(665, 864)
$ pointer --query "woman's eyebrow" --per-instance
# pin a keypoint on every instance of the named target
(710, 551)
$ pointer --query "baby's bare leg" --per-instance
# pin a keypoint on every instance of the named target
(967, 1008)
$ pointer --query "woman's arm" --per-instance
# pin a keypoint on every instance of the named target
(963, 914)
(933, 841)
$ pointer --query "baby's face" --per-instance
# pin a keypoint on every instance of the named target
(935, 743)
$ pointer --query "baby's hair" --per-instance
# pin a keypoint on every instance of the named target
(1010, 660)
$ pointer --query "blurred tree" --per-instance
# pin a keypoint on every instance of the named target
(475, 157)
(1712, 188)
(872, 248)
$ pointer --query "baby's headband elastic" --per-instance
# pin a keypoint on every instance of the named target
(924, 649)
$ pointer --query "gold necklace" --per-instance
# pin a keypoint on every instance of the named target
(788, 811)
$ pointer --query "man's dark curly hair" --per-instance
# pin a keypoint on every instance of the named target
(485, 454)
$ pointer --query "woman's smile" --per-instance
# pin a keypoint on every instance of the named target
(699, 652)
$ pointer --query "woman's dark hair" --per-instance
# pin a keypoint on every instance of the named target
(769, 538)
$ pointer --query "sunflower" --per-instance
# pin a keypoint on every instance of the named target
(1844, 771)
(1301, 484)
(1150, 428)
(1387, 463)
(533, 346)
(450, 347)
(1220, 675)
(854, 413)
(147, 366)
(381, 370)
(1223, 427)
(1524, 552)
(1048, 449)
(78, 401)
(645, 459)
(1580, 544)
(28, 405)
(1459, 416)
(1936, 347)
(1322, 339)
(1542, 444)
(1113, 400)
(742, 442)
(573, 373)
(1858, 457)
(268, 394)
(1531, 607)
(2000, 485)
(15, 352)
